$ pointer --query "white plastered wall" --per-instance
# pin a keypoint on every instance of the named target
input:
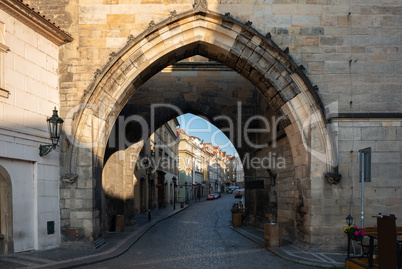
(30, 70)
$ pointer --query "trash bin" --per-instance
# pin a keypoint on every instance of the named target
(272, 235)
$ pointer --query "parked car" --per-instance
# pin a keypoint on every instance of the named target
(211, 197)
(229, 191)
(216, 195)
(239, 193)
(219, 194)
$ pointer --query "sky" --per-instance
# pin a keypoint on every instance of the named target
(206, 131)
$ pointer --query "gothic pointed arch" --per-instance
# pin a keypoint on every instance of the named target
(220, 38)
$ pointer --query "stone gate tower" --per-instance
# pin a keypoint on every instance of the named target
(330, 71)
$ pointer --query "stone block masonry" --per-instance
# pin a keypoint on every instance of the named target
(349, 50)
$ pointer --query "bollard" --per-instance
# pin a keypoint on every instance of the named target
(237, 220)
(119, 223)
(272, 235)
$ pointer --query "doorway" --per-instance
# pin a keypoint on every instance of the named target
(6, 213)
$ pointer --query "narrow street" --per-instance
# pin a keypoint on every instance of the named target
(198, 237)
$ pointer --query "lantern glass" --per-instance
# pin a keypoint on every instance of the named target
(55, 125)
(349, 220)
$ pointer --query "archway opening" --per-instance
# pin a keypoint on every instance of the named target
(224, 98)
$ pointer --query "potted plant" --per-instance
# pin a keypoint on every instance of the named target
(238, 215)
(355, 232)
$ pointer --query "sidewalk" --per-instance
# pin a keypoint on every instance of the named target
(114, 245)
(290, 252)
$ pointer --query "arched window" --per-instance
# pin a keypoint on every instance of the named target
(6, 212)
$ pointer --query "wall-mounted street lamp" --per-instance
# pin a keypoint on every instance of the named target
(55, 124)
(148, 170)
(174, 179)
(185, 187)
(349, 220)
(273, 176)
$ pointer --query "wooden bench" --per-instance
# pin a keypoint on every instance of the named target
(368, 247)
(372, 231)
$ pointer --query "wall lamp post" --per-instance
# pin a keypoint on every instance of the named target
(349, 222)
(55, 124)
(174, 192)
(273, 176)
(185, 187)
(148, 170)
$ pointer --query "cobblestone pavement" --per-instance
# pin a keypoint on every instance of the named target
(198, 237)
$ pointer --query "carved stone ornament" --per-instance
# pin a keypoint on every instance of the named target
(130, 38)
(173, 14)
(200, 5)
(151, 24)
(70, 178)
(97, 72)
(112, 55)
(333, 178)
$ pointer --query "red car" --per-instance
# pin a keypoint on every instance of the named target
(219, 194)
(210, 197)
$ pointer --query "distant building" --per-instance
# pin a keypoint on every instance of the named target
(232, 171)
(165, 147)
(156, 169)
(202, 167)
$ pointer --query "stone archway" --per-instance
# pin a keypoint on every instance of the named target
(217, 37)
(6, 213)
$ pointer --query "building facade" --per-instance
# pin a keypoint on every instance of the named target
(325, 74)
(202, 167)
(239, 172)
(141, 178)
(29, 91)
(165, 146)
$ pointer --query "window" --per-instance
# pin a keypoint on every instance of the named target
(3, 51)
(365, 164)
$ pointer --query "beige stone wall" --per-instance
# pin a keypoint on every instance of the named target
(321, 35)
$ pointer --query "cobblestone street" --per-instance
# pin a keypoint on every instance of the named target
(198, 237)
